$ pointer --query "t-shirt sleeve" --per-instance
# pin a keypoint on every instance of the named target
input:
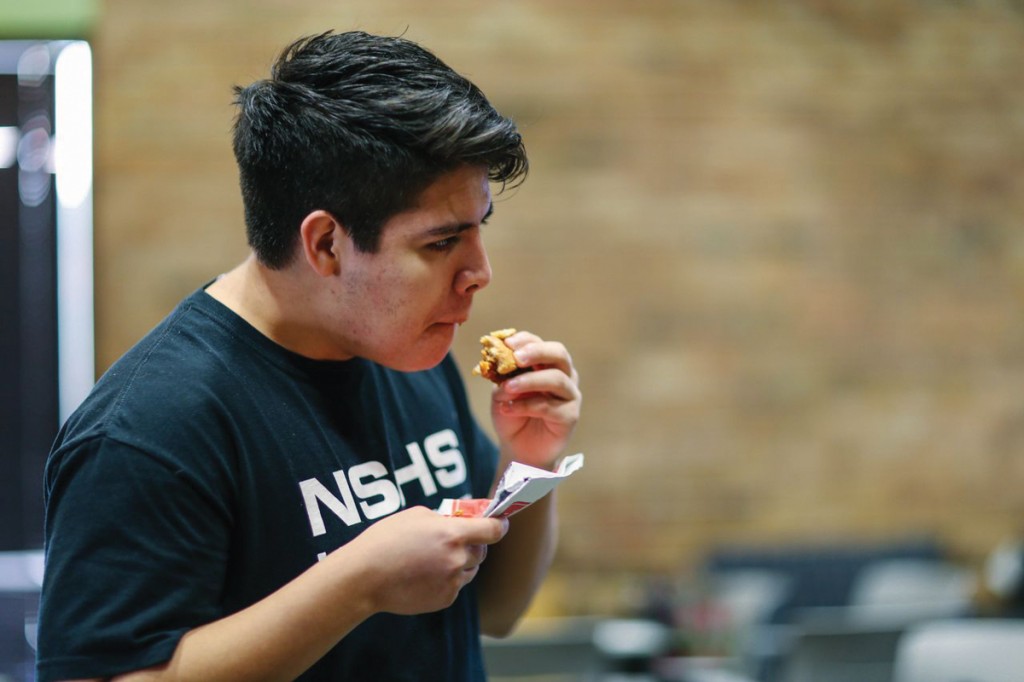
(150, 544)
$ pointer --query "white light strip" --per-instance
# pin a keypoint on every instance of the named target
(8, 146)
(73, 149)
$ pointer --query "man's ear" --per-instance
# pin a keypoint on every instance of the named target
(322, 239)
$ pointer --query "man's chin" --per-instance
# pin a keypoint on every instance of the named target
(415, 365)
(424, 356)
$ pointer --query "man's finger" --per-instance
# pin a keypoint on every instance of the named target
(483, 531)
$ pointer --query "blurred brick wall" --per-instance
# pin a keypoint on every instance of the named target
(782, 240)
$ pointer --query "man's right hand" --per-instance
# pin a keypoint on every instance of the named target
(417, 561)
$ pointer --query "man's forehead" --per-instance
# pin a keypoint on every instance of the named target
(466, 183)
(456, 226)
(426, 224)
(456, 199)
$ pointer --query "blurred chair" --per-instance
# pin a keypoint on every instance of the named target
(963, 650)
(578, 649)
(905, 591)
(626, 644)
(697, 669)
(751, 595)
(841, 652)
(858, 642)
(556, 649)
(845, 605)
(1003, 577)
(21, 574)
(748, 599)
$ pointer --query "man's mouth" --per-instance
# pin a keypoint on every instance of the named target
(457, 320)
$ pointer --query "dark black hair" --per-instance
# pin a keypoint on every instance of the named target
(358, 125)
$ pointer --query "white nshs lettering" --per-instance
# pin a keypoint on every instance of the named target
(371, 483)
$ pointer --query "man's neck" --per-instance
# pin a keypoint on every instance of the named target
(246, 291)
(274, 304)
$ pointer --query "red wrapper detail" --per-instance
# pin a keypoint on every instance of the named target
(471, 508)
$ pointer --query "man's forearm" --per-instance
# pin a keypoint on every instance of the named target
(276, 638)
(412, 562)
(516, 566)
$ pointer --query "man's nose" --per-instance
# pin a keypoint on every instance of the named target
(476, 271)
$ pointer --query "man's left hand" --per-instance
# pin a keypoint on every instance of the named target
(535, 412)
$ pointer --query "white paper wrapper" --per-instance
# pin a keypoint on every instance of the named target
(520, 486)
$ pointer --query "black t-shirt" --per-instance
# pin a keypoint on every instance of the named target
(210, 466)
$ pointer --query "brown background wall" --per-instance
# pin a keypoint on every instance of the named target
(782, 240)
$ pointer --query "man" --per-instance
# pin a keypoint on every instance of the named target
(248, 493)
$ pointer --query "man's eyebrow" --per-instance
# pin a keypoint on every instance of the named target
(455, 228)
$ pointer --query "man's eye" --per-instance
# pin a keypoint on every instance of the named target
(445, 244)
